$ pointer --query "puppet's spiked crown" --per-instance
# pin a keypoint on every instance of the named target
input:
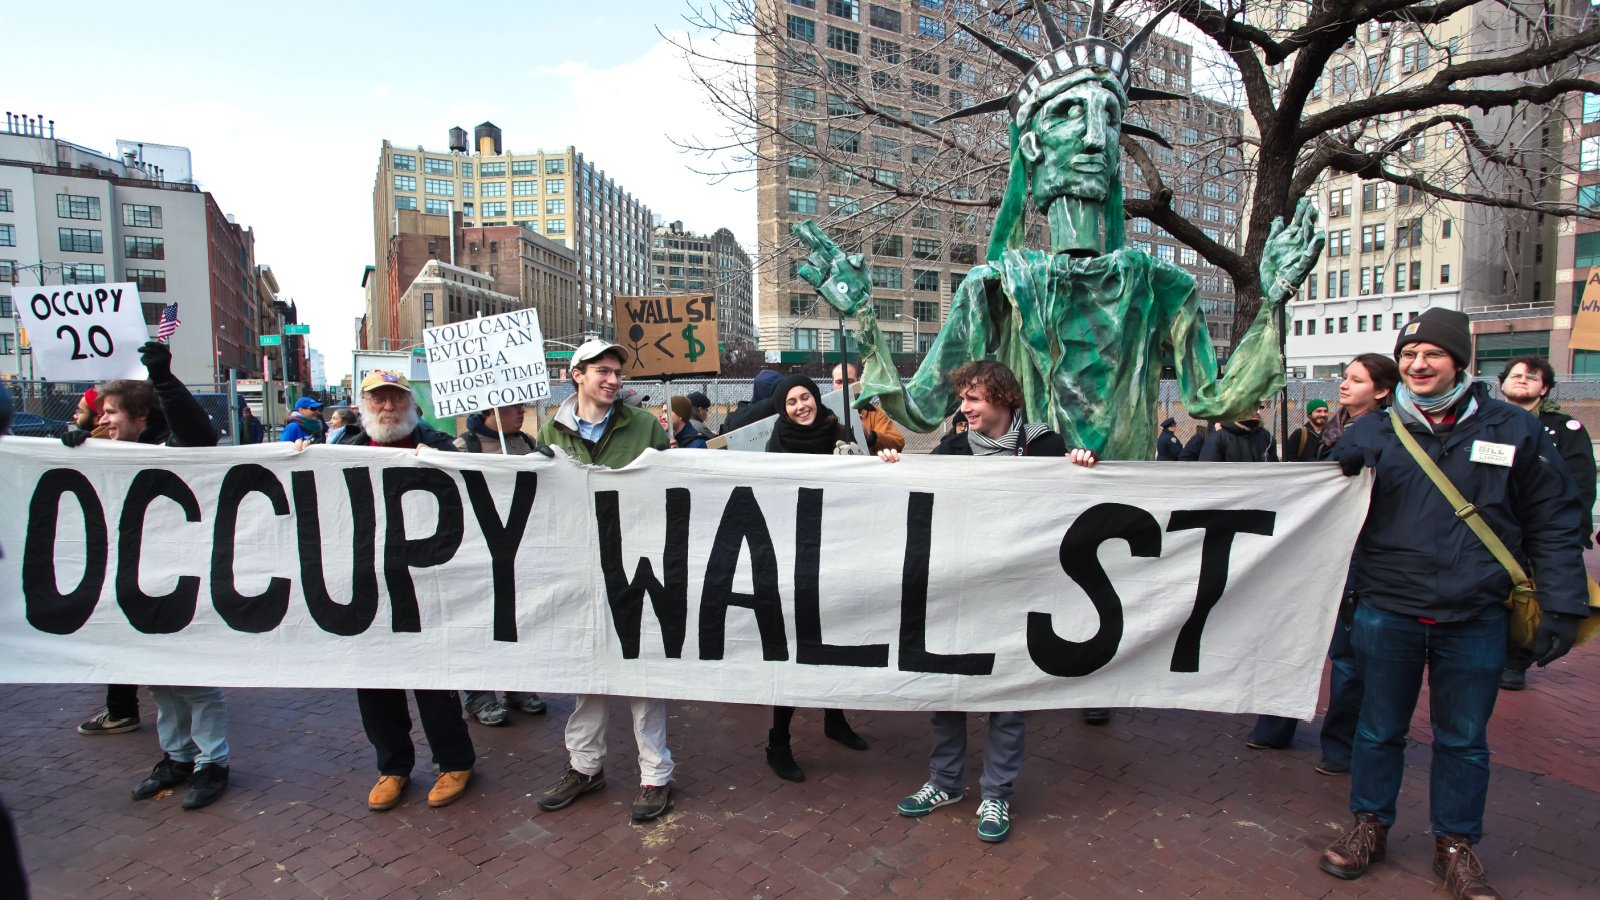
(1067, 59)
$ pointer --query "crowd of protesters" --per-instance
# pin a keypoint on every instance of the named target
(1423, 595)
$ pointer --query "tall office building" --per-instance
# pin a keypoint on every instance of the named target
(1394, 251)
(70, 215)
(682, 262)
(559, 194)
(852, 171)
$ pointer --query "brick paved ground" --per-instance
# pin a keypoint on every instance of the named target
(1159, 804)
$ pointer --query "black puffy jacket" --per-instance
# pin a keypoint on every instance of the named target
(1415, 558)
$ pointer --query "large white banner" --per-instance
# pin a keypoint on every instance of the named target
(933, 583)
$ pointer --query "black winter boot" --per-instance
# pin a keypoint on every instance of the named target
(781, 758)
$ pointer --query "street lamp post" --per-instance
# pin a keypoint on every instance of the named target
(916, 334)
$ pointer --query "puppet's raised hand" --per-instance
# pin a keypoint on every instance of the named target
(1291, 252)
(839, 279)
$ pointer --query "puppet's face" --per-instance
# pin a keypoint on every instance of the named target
(1071, 149)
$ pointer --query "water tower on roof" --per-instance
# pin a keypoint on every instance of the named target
(487, 139)
(458, 140)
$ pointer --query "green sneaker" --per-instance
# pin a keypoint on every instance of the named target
(994, 820)
(927, 799)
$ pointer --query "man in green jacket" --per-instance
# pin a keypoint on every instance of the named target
(593, 428)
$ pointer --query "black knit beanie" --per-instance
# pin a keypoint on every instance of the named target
(1444, 328)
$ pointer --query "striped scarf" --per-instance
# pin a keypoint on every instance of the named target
(1012, 443)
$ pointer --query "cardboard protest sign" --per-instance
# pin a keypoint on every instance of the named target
(491, 361)
(788, 580)
(754, 436)
(668, 336)
(1586, 325)
(84, 332)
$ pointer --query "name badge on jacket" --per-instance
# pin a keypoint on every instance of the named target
(1493, 454)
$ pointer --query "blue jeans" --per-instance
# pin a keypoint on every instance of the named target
(192, 723)
(1463, 662)
(1344, 705)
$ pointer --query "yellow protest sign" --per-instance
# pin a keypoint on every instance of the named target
(1586, 324)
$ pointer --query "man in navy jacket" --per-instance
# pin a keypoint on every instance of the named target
(1430, 595)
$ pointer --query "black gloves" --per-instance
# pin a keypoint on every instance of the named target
(74, 437)
(545, 449)
(157, 359)
(1556, 635)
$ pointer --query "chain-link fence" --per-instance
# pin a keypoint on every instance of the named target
(46, 408)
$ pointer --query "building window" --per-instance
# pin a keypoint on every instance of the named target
(930, 27)
(83, 273)
(926, 248)
(136, 215)
(493, 189)
(1311, 328)
(1416, 276)
(965, 254)
(493, 209)
(555, 185)
(148, 280)
(438, 207)
(405, 182)
(522, 188)
(466, 169)
(8, 270)
(804, 339)
(448, 188)
(525, 167)
(802, 167)
(524, 207)
(144, 247)
(802, 304)
(803, 202)
(843, 39)
(74, 206)
(438, 166)
(803, 133)
(555, 226)
(555, 207)
(888, 245)
(492, 168)
(1444, 230)
(926, 280)
(802, 29)
(1444, 274)
(845, 73)
(925, 218)
(5, 200)
(1298, 327)
(80, 240)
(883, 17)
(401, 201)
(887, 277)
(555, 167)
(8, 236)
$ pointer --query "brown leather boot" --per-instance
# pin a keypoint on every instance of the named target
(1454, 861)
(1365, 843)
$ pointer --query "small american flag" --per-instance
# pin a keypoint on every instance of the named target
(169, 322)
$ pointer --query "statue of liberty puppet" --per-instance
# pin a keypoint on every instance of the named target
(1085, 324)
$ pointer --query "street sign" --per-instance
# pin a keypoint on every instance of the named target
(296, 329)
(271, 340)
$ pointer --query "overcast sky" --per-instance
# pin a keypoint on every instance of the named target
(284, 108)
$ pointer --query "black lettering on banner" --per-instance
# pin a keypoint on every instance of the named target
(914, 654)
(48, 609)
(253, 614)
(742, 524)
(809, 647)
(402, 554)
(1220, 525)
(168, 613)
(503, 541)
(339, 618)
(669, 601)
(1080, 559)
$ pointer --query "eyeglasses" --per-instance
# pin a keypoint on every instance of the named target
(606, 372)
(1431, 357)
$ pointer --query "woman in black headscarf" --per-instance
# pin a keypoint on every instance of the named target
(804, 425)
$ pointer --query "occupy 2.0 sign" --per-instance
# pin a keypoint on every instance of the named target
(86, 332)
